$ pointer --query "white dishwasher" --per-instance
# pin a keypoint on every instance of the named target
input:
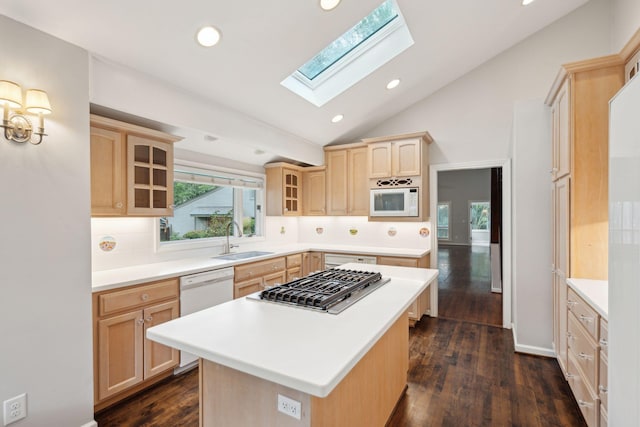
(200, 291)
(334, 260)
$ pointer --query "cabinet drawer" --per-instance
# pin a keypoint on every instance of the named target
(248, 287)
(604, 336)
(584, 350)
(398, 261)
(603, 387)
(587, 402)
(137, 296)
(586, 315)
(258, 269)
(294, 260)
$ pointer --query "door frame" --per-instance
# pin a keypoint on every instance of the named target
(505, 164)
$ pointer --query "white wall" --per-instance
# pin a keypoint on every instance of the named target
(471, 120)
(459, 187)
(45, 277)
(625, 15)
(531, 217)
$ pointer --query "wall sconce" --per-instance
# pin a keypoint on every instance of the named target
(18, 127)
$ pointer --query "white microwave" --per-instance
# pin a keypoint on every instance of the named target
(394, 202)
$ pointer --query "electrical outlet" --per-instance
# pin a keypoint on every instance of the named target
(289, 406)
(15, 409)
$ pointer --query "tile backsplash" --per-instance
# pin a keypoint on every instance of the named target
(132, 241)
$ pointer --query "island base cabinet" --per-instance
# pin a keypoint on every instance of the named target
(367, 396)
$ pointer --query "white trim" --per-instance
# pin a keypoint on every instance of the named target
(505, 164)
(530, 349)
(91, 423)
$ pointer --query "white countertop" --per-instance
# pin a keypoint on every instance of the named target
(594, 292)
(111, 279)
(302, 349)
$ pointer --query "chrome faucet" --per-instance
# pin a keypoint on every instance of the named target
(228, 246)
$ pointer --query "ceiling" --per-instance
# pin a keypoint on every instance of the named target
(265, 41)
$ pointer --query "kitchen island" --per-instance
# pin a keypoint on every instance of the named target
(345, 369)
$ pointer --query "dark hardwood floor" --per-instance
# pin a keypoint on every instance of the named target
(461, 372)
(464, 285)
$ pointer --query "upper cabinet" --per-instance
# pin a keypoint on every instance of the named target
(314, 195)
(395, 158)
(131, 169)
(347, 188)
(284, 189)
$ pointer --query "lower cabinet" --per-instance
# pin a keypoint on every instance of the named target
(294, 267)
(312, 262)
(422, 304)
(125, 361)
(253, 277)
(586, 369)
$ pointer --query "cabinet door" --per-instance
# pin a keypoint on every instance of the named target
(406, 158)
(316, 262)
(561, 264)
(291, 192)
(562, 133)
(120, 363)
(157, 357)
(314, 197)
(247, 287)
(379, 160)
(107, 173)
(337, 182)
(149, 177)
(294, 273)
(275, 279)
(398, 261)
(357, 182)
(305, 264)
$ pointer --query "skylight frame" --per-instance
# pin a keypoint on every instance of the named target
(385, 44)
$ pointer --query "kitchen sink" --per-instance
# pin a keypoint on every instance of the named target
(242, 255)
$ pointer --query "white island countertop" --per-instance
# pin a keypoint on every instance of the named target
(111, 279)
(594, 292)
(303, 349)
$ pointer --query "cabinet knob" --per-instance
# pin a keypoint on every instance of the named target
(144, 297)
(604, 343)
(585, 356)
(140, 321)
(603, 389)
(571, 303)
(586, 319)
(119, 205)
(584, 403)
(149, 319)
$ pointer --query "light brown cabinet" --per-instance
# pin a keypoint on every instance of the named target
(347, 188)
(131, 169)
(294, 267)
(125, 361)
(422, 304)
(395, 158)
(312, 262)
(314, 199)
(253, 277)
(284, 189)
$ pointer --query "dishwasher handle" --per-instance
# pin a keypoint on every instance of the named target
(196, 284)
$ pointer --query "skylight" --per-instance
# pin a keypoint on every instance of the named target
(369, 44)
(353, 38)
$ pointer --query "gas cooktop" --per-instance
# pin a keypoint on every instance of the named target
(331, 291)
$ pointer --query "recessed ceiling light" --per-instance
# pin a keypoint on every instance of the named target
(393, 84)
(208, 36)
(258, 152)
(329, 4)
(526, 2)
(337, 118)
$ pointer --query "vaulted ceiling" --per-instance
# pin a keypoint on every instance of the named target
(265, 41)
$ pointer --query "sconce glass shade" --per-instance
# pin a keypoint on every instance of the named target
(10, 94)
(37, 102)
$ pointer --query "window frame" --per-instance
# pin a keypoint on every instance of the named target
(438, 227)
(221, 174)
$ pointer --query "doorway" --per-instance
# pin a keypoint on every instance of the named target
(465, 266)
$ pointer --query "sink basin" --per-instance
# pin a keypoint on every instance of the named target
(242, 255)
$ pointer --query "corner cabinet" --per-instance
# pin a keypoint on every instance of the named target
(284, 189)
(125, 361)
(347, 186)
(131, 169)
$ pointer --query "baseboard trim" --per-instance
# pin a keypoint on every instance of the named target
(530, 349)
(91, 423)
